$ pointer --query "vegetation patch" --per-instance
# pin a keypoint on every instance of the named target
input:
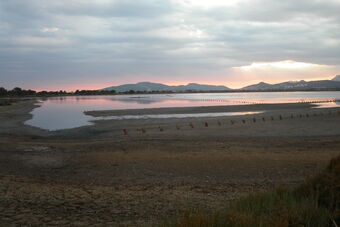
(315, 203)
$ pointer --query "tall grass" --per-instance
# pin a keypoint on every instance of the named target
(314, 204)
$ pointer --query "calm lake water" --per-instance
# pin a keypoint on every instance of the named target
(57, 113)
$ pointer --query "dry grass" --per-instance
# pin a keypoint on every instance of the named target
(315, 203)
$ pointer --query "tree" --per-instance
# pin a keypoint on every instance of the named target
(3, 91)
(30, 92)
(43, 93)
(17, 91)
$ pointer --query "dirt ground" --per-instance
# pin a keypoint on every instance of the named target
(97, 175)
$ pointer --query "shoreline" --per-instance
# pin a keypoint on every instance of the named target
(169, 93)
(201, 109)
(20, 112)
(188, 126)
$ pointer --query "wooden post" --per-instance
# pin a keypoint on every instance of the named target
(280, 117)
(206, 124)
(125, 131)
(254, 119)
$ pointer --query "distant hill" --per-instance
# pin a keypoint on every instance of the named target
(301, 85)
(142, 86)
(200, 87)
(296, 85)
(259, 86)
(148, 86)
(336, 78)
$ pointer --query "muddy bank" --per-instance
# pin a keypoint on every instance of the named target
(202, 109)
(97, 175)
(277, 120)
(12, 117)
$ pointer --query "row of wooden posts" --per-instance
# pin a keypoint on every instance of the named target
(243, 121)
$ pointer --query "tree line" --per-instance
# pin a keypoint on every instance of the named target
(17, 91)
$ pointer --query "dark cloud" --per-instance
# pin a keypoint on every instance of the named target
(71, 40)
(274, 11)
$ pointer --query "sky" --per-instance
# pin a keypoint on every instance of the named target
(91, 44)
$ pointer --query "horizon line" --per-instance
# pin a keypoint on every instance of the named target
(179, 84)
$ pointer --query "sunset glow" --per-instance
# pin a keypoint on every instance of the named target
(288, 64)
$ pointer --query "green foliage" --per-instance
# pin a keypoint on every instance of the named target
(17, 91)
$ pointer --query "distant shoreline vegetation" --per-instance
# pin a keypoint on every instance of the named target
(158, 88)
(19, 92)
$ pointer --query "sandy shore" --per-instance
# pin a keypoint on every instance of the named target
(202, 109)
(98, 175)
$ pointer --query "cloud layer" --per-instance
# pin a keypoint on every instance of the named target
(70, 43)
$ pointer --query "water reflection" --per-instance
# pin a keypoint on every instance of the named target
(328, 104)
(163, 116)
(68, 112)
(55, 115)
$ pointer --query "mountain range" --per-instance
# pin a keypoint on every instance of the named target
(295, 86)
(148, 86)
(301, 85)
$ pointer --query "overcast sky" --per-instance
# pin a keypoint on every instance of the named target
(89, 44)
